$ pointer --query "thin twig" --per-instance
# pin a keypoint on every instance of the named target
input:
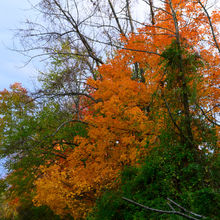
(210, 24)
(185, 210)
(65, 123)
(210, 120)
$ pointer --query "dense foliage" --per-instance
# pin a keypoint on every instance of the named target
(195, 187)
(144, 128)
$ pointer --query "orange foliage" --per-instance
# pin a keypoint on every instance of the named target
(129, 118)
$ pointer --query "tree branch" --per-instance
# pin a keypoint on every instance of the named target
(116, 18)
(129, 16)
(71, 20)
(65, 123)
(210, 120)
(163, 211)
(185, 210)
(211, 26)
(67, 94)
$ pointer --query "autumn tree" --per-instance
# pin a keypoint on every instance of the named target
(158, 90)
(174, 88)
(31, 135)
(185, 170)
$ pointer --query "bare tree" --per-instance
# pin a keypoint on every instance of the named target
(83, 23)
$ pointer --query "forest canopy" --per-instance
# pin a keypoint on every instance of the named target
(125, 124)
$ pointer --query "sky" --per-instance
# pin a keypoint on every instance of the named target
(12, 13)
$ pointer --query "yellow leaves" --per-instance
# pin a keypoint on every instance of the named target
(72, 190)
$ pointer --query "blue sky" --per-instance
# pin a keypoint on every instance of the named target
(12, 13)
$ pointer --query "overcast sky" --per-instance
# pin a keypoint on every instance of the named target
(12, 13)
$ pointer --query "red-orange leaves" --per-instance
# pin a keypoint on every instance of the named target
(119, 128)
(125, 123)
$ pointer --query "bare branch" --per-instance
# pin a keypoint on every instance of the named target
(175, 22)
(129, 16)
(158, 8)
(152, 12)
(163, 28)
(170, 206)
(210, 24)
(159, 210)
(125, 48)
(116, 18)
(52, 95)
(185, 210)
(65, 123)
(74, 24)
(210, 120)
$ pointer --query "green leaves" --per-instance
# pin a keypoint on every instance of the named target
(178, 167)
(163, 174)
